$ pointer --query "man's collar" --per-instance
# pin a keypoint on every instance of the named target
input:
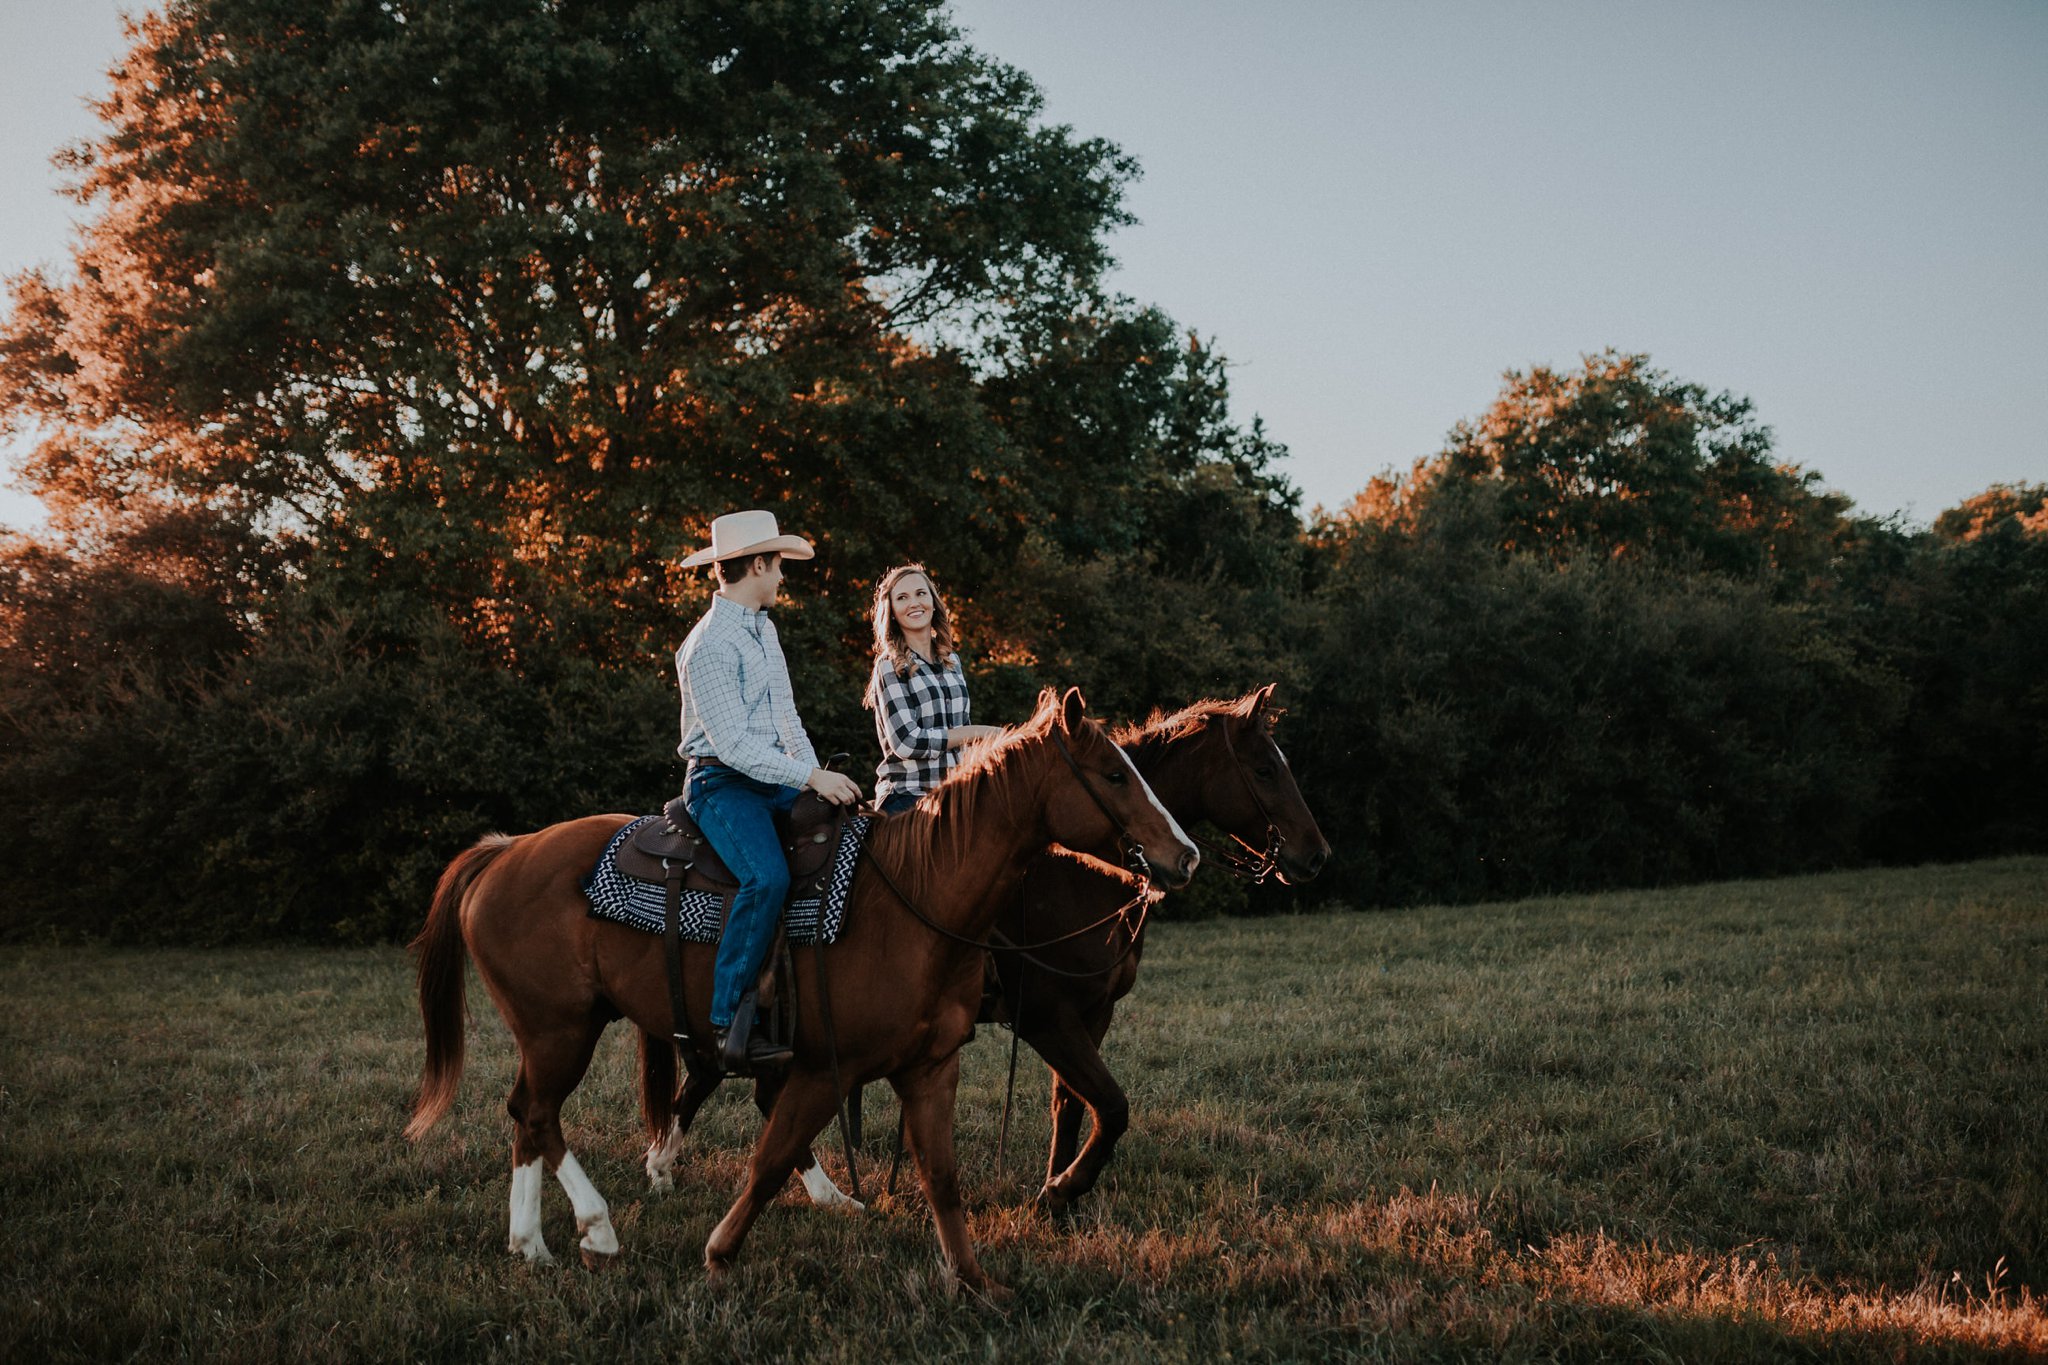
(748, 614)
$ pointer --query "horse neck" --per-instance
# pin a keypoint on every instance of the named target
(1170, 770)
(959, 863)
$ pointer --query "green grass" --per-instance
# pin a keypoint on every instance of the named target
(1760, 1120)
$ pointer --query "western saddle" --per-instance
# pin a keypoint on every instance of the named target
(810, 836)
(673, 853)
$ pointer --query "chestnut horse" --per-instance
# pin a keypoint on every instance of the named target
(1216, 761)
(904, 980)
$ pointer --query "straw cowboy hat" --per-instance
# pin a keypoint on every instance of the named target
(737, 534)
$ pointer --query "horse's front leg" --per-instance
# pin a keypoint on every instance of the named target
(1068, 1109)
(822, 1189)
(801, 1110)
(1071, 1046)
(928, 1094)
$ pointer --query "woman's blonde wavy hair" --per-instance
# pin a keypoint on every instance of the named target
(889, 641)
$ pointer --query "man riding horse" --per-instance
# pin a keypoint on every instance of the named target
(748, 759)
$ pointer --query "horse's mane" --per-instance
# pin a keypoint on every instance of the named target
(940, 830)
(1088, 862)
(1143, 739)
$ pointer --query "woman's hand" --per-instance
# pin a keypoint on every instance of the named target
(962, 735)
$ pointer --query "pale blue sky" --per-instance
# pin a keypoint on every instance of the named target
(1838, 210)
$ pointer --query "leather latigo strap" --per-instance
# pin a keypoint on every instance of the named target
(672, 942)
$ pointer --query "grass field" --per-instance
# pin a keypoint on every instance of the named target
(1770, 1120)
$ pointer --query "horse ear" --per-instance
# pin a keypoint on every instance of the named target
(1263, 698)
(1073, 709)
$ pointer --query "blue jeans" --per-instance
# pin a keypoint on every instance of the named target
(898, 802)
(737, 814)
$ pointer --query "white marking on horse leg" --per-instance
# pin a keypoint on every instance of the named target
(1146, 787)
(593, 1216)
(526, 1238)
(824, 1193)
(661, 1157)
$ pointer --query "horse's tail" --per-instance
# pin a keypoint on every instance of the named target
(441, 955)
(657, 1083)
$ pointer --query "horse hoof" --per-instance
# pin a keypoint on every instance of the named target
(1053, 1205)
(597, 1260)
(993, 1292)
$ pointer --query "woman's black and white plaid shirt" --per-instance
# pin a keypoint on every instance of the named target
(911, 720)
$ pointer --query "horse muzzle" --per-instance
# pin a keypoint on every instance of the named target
(1179, 872)
(1294, 870)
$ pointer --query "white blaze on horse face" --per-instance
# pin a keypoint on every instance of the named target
(593, 1217)
(824, 1193)
(1187, 844)
(526, 1238)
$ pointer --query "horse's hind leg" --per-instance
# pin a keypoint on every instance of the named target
(549, 1068)
(525, 1237)
(800, 1111)
(698, 1086)
(928, 1095)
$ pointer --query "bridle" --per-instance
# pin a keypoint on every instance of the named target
(1262, 863)
(1130, 852)
(1133, 854)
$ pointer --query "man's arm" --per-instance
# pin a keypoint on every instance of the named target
(837, 788)
(789, 726)
(712, 675)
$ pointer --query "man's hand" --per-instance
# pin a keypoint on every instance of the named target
(837, 788)
(960, 736)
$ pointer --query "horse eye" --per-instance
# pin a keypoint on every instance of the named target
(1264, 770)
(1116, 777)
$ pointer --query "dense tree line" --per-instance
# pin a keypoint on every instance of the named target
(410, 345)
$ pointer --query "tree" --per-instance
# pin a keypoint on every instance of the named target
(460, 320)
(531, 290)
(1481, 725)
(1966, 619)
(1602, 637)
(1620, 460)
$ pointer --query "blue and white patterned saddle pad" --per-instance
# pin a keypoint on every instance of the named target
(643, 905)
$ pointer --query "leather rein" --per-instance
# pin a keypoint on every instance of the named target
(1134, 862)
(1256, 868)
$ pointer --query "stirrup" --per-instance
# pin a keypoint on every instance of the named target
(742, 1051)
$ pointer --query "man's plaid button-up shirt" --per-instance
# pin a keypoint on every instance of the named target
(737, 703)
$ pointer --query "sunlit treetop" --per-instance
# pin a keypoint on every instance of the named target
(1616, 459)
(578, 260)
(2002, 509)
